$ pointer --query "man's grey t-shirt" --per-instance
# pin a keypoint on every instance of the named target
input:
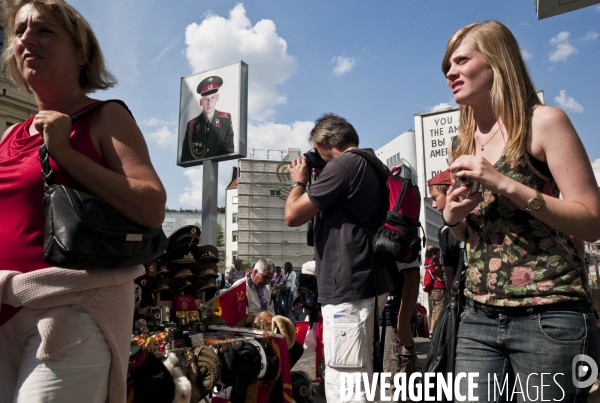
(348, 193)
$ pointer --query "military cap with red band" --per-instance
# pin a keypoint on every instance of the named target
(209, 85)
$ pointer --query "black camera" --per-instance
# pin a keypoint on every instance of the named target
(468, 182)
(314, 160)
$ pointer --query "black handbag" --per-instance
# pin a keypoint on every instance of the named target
(442, 354)
(83, 231)
(284, 290)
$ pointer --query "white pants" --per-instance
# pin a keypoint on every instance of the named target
(348, 342)
(79, 375)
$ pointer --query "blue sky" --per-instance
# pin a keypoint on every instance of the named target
(376, 63)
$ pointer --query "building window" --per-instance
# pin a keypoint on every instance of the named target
(393, 160)
(275, 192)
(234, 236)
(234, 255)
(234, 218)
(1, 39)
(234, 200)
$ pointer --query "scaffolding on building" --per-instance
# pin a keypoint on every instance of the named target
(263, 186)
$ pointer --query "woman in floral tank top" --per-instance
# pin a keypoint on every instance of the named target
(528, 315)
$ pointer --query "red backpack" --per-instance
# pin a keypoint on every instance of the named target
(398, 235)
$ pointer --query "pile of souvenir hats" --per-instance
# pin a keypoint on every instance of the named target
(187, 268)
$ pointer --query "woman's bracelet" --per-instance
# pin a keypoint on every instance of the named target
(451, 225)
(448, 224)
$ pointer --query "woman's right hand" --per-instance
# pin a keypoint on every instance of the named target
(458, 207)
(55, 128)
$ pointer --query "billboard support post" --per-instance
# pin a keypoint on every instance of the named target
(210, 174)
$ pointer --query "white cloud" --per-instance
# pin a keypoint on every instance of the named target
(166, 49)
(568, 103)
(443, 105)
(277, 136)
(163, 133)
(192, 194)
(563, 48)
(596, 164)
(591, 36)
(526, 54)
(342, 64)
(218, 41)
(560, 38)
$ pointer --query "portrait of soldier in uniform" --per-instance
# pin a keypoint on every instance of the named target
(211, 133)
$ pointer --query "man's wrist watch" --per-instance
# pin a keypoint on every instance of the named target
(302, 184)
(535, 204)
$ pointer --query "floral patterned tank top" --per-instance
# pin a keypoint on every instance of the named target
(516, 260)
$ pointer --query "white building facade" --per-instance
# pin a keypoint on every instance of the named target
(255, 207)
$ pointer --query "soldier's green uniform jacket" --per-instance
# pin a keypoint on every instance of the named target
(208, 139)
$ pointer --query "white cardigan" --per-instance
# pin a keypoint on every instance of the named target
(106, 294)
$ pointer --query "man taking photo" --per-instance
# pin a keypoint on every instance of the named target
(346, 202)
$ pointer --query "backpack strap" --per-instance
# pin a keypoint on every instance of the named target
(378, 340)
(373, 160)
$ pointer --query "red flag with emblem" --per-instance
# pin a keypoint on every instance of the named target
(284, 363)
(231, 304)
(301, 330)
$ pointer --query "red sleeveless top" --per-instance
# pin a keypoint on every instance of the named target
(21, 192)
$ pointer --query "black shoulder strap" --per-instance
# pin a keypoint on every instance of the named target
(378, 339)
(380, 168)
(47, 172)
(76, 117)
(459, 271)
(454, 143)
(373, 160)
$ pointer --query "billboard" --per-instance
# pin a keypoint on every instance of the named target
(434, 134)
(550, 8)
(213, 115)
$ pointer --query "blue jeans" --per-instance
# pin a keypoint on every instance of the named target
(287, 305)
(278, 306)
(534, 348)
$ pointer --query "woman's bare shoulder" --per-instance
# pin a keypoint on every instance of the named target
(114, 114)
(549, 118)
(550, 128)
(5, 134)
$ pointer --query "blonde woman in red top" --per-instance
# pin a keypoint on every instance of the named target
(52, 51)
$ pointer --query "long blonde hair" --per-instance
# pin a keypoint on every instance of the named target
(94, 74)
(512, 95)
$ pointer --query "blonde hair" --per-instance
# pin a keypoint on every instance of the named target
(512, 95)
(94, 74)
(443, 189)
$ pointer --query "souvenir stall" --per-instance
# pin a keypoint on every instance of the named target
(190, 344)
